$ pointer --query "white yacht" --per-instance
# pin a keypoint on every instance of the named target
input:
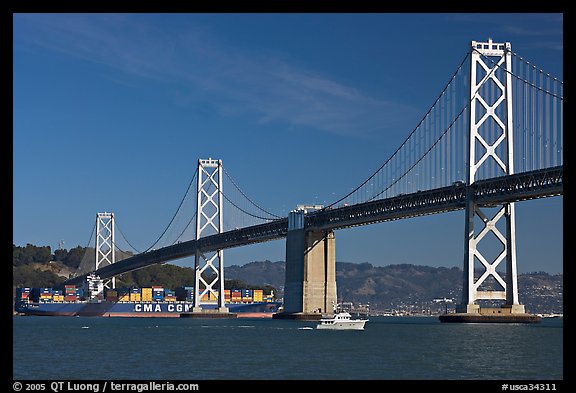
(342, 321)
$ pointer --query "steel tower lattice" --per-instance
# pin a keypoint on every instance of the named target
(490, 150)
(105, 254)
(209, 267)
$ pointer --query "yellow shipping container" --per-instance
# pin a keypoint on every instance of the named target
(258, 295)
(124, 298)
(135, 297)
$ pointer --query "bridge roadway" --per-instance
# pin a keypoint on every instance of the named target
(505, 189)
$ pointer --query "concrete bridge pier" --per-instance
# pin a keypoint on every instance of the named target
(310, 286)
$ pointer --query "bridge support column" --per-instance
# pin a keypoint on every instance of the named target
(310, 286)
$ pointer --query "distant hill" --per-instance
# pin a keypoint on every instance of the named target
(406, 286)
(258, 273)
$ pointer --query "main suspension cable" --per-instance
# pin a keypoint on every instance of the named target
(177, 210)
(249, 200)
(408, 138)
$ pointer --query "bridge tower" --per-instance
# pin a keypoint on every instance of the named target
(490, 153)
(310, 283)
(209, 267)
(105, 253)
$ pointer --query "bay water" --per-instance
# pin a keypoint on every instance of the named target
(390, 348)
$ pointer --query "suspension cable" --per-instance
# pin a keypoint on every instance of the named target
(78, 270)
(177, 210)
(124, 237)
(184, 230)
(536, 68)
(248, 213)
(409, 136)
(524, 80)
(245, 196)
(424, 155)
(440, 137)
(91, 234)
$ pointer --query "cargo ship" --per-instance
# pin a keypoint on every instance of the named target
(93, 300)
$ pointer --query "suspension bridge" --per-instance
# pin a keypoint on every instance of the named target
(493, 137)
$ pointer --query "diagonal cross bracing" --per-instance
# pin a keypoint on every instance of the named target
(105, 254)
(209, 269)
(472, 289)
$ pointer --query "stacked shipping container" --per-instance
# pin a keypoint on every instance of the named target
(42, 294)
(146, 294)
(257, 295)
(236, 296)
(135, 295)
(124, 295)
(57, 296)
(169, 296)
(70, 294)
(157, 293)
(23, 293)
(185, 294)
(154, 294)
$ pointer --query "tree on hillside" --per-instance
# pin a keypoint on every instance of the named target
(30, 254)
(169, 276)
(75, 255)
(27, 276)
(60, 255)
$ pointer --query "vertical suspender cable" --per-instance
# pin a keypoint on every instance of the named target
(555, 126)
(525, 124)
(548, 128)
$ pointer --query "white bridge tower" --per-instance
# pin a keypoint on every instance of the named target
(490, 234)
(209, 267)
(105, 253)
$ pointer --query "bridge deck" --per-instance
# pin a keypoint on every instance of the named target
(505, 189)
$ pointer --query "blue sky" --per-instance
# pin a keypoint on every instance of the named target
(112, 112)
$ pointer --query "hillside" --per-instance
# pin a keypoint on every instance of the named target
(406, 287)
(258, 273)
